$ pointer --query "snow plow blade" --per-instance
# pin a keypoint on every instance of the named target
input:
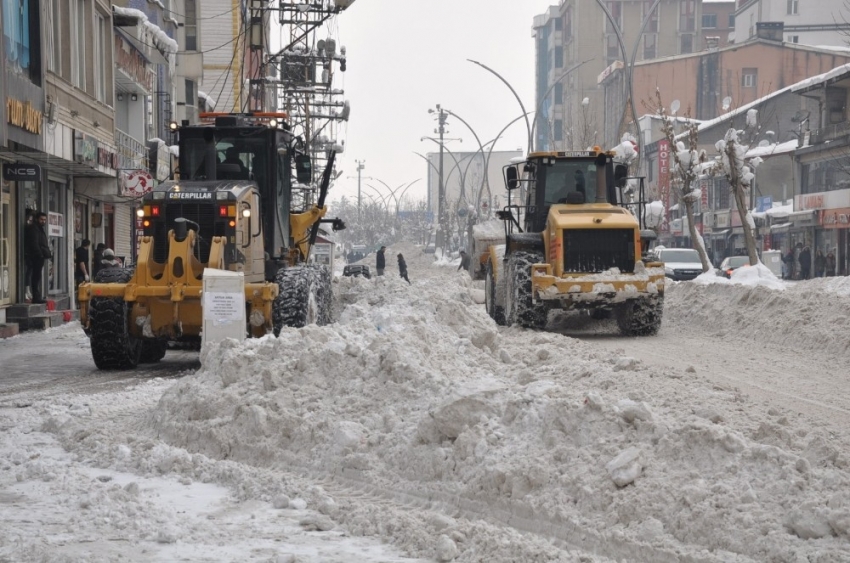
(611, 287)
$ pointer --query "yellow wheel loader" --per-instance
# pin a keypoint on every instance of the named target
(573, 240)
(245, 201)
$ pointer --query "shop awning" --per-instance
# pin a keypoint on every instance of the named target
(780, 227)
(719, 234)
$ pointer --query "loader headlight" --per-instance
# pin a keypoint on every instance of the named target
(246, 213)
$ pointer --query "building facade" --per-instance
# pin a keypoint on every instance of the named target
(576, 41)
(824, 22)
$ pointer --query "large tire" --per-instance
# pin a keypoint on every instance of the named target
(112, 345)
(519, 306)
(496, 312)
(304, 297)
(641, 317)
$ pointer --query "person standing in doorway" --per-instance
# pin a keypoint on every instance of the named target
(805, 262)
(820, 263)
(830, 263)
(81, 263)
(98, 258)
(402, 268)
(36, 252)
(380, 261)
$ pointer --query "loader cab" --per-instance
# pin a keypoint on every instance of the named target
(247, 148)
(547, 179)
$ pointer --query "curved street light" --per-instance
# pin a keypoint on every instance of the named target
(521, 105)
(630, 67)
(502, 132)
(484, 179)
(451, 154)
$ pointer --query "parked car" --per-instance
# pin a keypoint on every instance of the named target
(679, 263)
(354, 270)
(732, 263)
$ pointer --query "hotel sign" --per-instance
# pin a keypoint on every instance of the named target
(130, 61)
(87, 150)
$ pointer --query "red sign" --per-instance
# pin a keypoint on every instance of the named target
(137, 183)
(835, 218)
(664, 180)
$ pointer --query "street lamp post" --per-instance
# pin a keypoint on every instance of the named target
(462, 175)
(484, 179)
(518, 99)
(441, 129)
(360, 166)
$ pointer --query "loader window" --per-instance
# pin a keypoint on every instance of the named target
(565, 179)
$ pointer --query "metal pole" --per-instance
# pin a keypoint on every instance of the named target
(518, 99)
(359, 168)
(441, 186)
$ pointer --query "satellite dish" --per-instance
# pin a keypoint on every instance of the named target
(674, 107)
(764, 143)
(727, 102)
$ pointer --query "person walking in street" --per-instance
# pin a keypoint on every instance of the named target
(81, 263)
(788, 264)
(805, 262)
(380, 261)
(820, 263)
(98, 258)
(402, 268)
(830, 264)
(36, 252)
(464, 261)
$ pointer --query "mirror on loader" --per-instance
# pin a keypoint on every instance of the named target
(303, 168)
(511, 177)
(621, 172)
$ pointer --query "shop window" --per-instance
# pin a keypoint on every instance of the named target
(21, 34)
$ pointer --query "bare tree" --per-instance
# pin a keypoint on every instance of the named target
(687, 160)
(739, 171)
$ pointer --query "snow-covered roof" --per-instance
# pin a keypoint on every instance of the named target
(161, 41)
(833, 75)
(773, 149)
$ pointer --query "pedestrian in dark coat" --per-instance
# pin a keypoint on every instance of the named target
(98, 258)
(464, 261)
(805, 259)
(36, 252)
(380, 261)
(830, 263)
(402, 268)
(820, 263)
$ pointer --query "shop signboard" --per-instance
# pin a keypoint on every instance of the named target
(822, 200)
(764, 203)
(664, 179)
(136, 183)
(55, 224)
(835, 218)
(18, 172)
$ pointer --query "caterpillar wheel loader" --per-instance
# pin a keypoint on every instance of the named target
(573, 240)
(245, 201)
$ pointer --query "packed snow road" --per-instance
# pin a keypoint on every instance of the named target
(414, 420)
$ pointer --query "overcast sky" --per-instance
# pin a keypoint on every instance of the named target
(406, 56)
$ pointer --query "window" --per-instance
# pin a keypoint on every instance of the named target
(613, 48)
(191, 25)
(731, 20)
(558, 132)
(616, 9)
(78, 44)
(99, 66)
(792, 7)
(652, 24)
(749, 77)
(709, 21)
(54, 37)
(21, 37)
(559, 23)
(649, 46)
(559, 94)
(190, 93)
(559, 57)
(793, 39)
(687, 15)
(686, 43)
(568, 24)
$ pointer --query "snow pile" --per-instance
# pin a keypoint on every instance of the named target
(416, 394)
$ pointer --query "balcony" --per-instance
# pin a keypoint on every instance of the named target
(132, 153)
(830, 132)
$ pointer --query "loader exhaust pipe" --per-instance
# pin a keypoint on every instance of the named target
(601, 179)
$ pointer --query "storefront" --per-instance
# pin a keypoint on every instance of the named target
(833, 237)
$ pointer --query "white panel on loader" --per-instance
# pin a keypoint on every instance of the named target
(223, 306)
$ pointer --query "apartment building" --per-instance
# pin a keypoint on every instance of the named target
(718, 23)
(576, 42)
(825, 22)
(89, 88)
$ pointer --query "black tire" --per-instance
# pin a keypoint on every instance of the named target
(600, 314)
(496, 312)
(325, 294)
(641, 317)
(112, 345)
(153, 350)
(303, 297)
(519, 307)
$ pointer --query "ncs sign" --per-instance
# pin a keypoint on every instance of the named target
(22, 172)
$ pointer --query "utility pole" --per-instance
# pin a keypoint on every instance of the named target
(441, 187)
(360, 167)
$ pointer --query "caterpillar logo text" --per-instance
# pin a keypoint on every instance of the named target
(190, 195)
